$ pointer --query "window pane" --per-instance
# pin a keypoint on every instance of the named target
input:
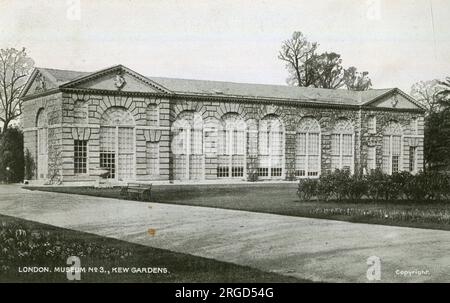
(395, 161)
(386, 146)
(276, 143)
(313, 166)
(396, 145)
(335, 144)
(152, 158)
(263, 143)
(301, 144)
(80, 156)
(313, 146)
(371, 158)
(347, 145)
(196, 142)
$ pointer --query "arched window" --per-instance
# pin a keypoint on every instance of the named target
(187, 146)
(307, 160)
(231, 153)
(392, 147)
(342, 146)
(42, 144)
(271, 147)
(117, 137)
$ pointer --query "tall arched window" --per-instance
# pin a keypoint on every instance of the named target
(231, 156)
(271, 147)
(187, 146)
(307, 159)
(42, 144)
(392, 148)
(117, 137)
(342, 146)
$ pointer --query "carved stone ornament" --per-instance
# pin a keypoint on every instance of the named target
(394, 101)
(40, 83)
(119, 81)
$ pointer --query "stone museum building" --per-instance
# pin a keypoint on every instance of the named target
(124, 126)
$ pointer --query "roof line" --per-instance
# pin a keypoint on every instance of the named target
(394, 90)
(99, 73)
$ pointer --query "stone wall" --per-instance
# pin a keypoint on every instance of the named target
(51, 107)
(383, 118)
(77, 117)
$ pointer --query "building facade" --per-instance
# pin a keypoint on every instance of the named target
(129, 127)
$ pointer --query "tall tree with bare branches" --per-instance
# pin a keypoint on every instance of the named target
(427, 93)
(15, 67)
(299, 55)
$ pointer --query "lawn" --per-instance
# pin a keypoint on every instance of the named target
(29, 244)
(282, 199)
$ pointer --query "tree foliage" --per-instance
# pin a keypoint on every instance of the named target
(437, 140)
(15, 66)
(11, 156)
(329, 71)
(434, 96)
(357, 81)
(444, 93)
(307, 68)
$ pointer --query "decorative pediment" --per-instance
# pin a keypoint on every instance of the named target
(395, 99)
(39, 82)
(118, 78)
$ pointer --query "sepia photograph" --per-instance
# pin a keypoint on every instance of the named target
(224, 141)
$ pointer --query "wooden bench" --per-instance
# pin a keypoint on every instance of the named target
(137, 191)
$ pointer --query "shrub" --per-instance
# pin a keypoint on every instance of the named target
(436, 184)
(378, 186)
(400, 186)
(326, 187)
(307, 189)
(357, 187)
(342, 183)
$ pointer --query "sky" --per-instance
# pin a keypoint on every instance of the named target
(399, 42)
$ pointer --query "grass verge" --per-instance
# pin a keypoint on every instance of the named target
(282, 199)
(26, 244)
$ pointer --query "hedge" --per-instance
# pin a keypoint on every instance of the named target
(376, 186)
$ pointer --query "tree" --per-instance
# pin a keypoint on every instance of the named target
(15, 66)
(437, 140)
(308, 69)
(427, 93)
(444, 94)
(11, 156)
(328, 70)
(355, 80)
(299, 55)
